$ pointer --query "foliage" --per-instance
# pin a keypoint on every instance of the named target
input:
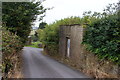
(42, 25)
(102, 36)
(52, 49)
(11, 44)
(35, 37)
(18, 17)
(34, 44)
(69, 21)
(40, 32)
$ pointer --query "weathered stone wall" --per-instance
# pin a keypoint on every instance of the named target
(81, 58)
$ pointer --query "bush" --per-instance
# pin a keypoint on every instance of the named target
(11, 44)
(103, 38)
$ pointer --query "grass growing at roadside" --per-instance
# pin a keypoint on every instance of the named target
(34, 44)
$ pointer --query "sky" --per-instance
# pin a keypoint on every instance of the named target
(66, 8)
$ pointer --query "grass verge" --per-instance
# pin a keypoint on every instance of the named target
(34, 45)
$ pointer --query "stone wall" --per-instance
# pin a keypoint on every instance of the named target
(81, 58)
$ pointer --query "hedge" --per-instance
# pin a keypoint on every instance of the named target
(11, 45)
(102, 37)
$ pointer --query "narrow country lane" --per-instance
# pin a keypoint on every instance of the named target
(37, 65)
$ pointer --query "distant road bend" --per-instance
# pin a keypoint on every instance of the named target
(37, 65)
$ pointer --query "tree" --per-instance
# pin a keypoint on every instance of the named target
(18, 17)
(35, 36)
(42, 25)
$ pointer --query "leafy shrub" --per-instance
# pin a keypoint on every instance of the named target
(103, 38)
(102, 35)
(11, 44)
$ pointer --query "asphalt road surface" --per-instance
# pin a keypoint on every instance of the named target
(37, 65)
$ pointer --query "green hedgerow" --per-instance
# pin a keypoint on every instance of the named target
(103, 38)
